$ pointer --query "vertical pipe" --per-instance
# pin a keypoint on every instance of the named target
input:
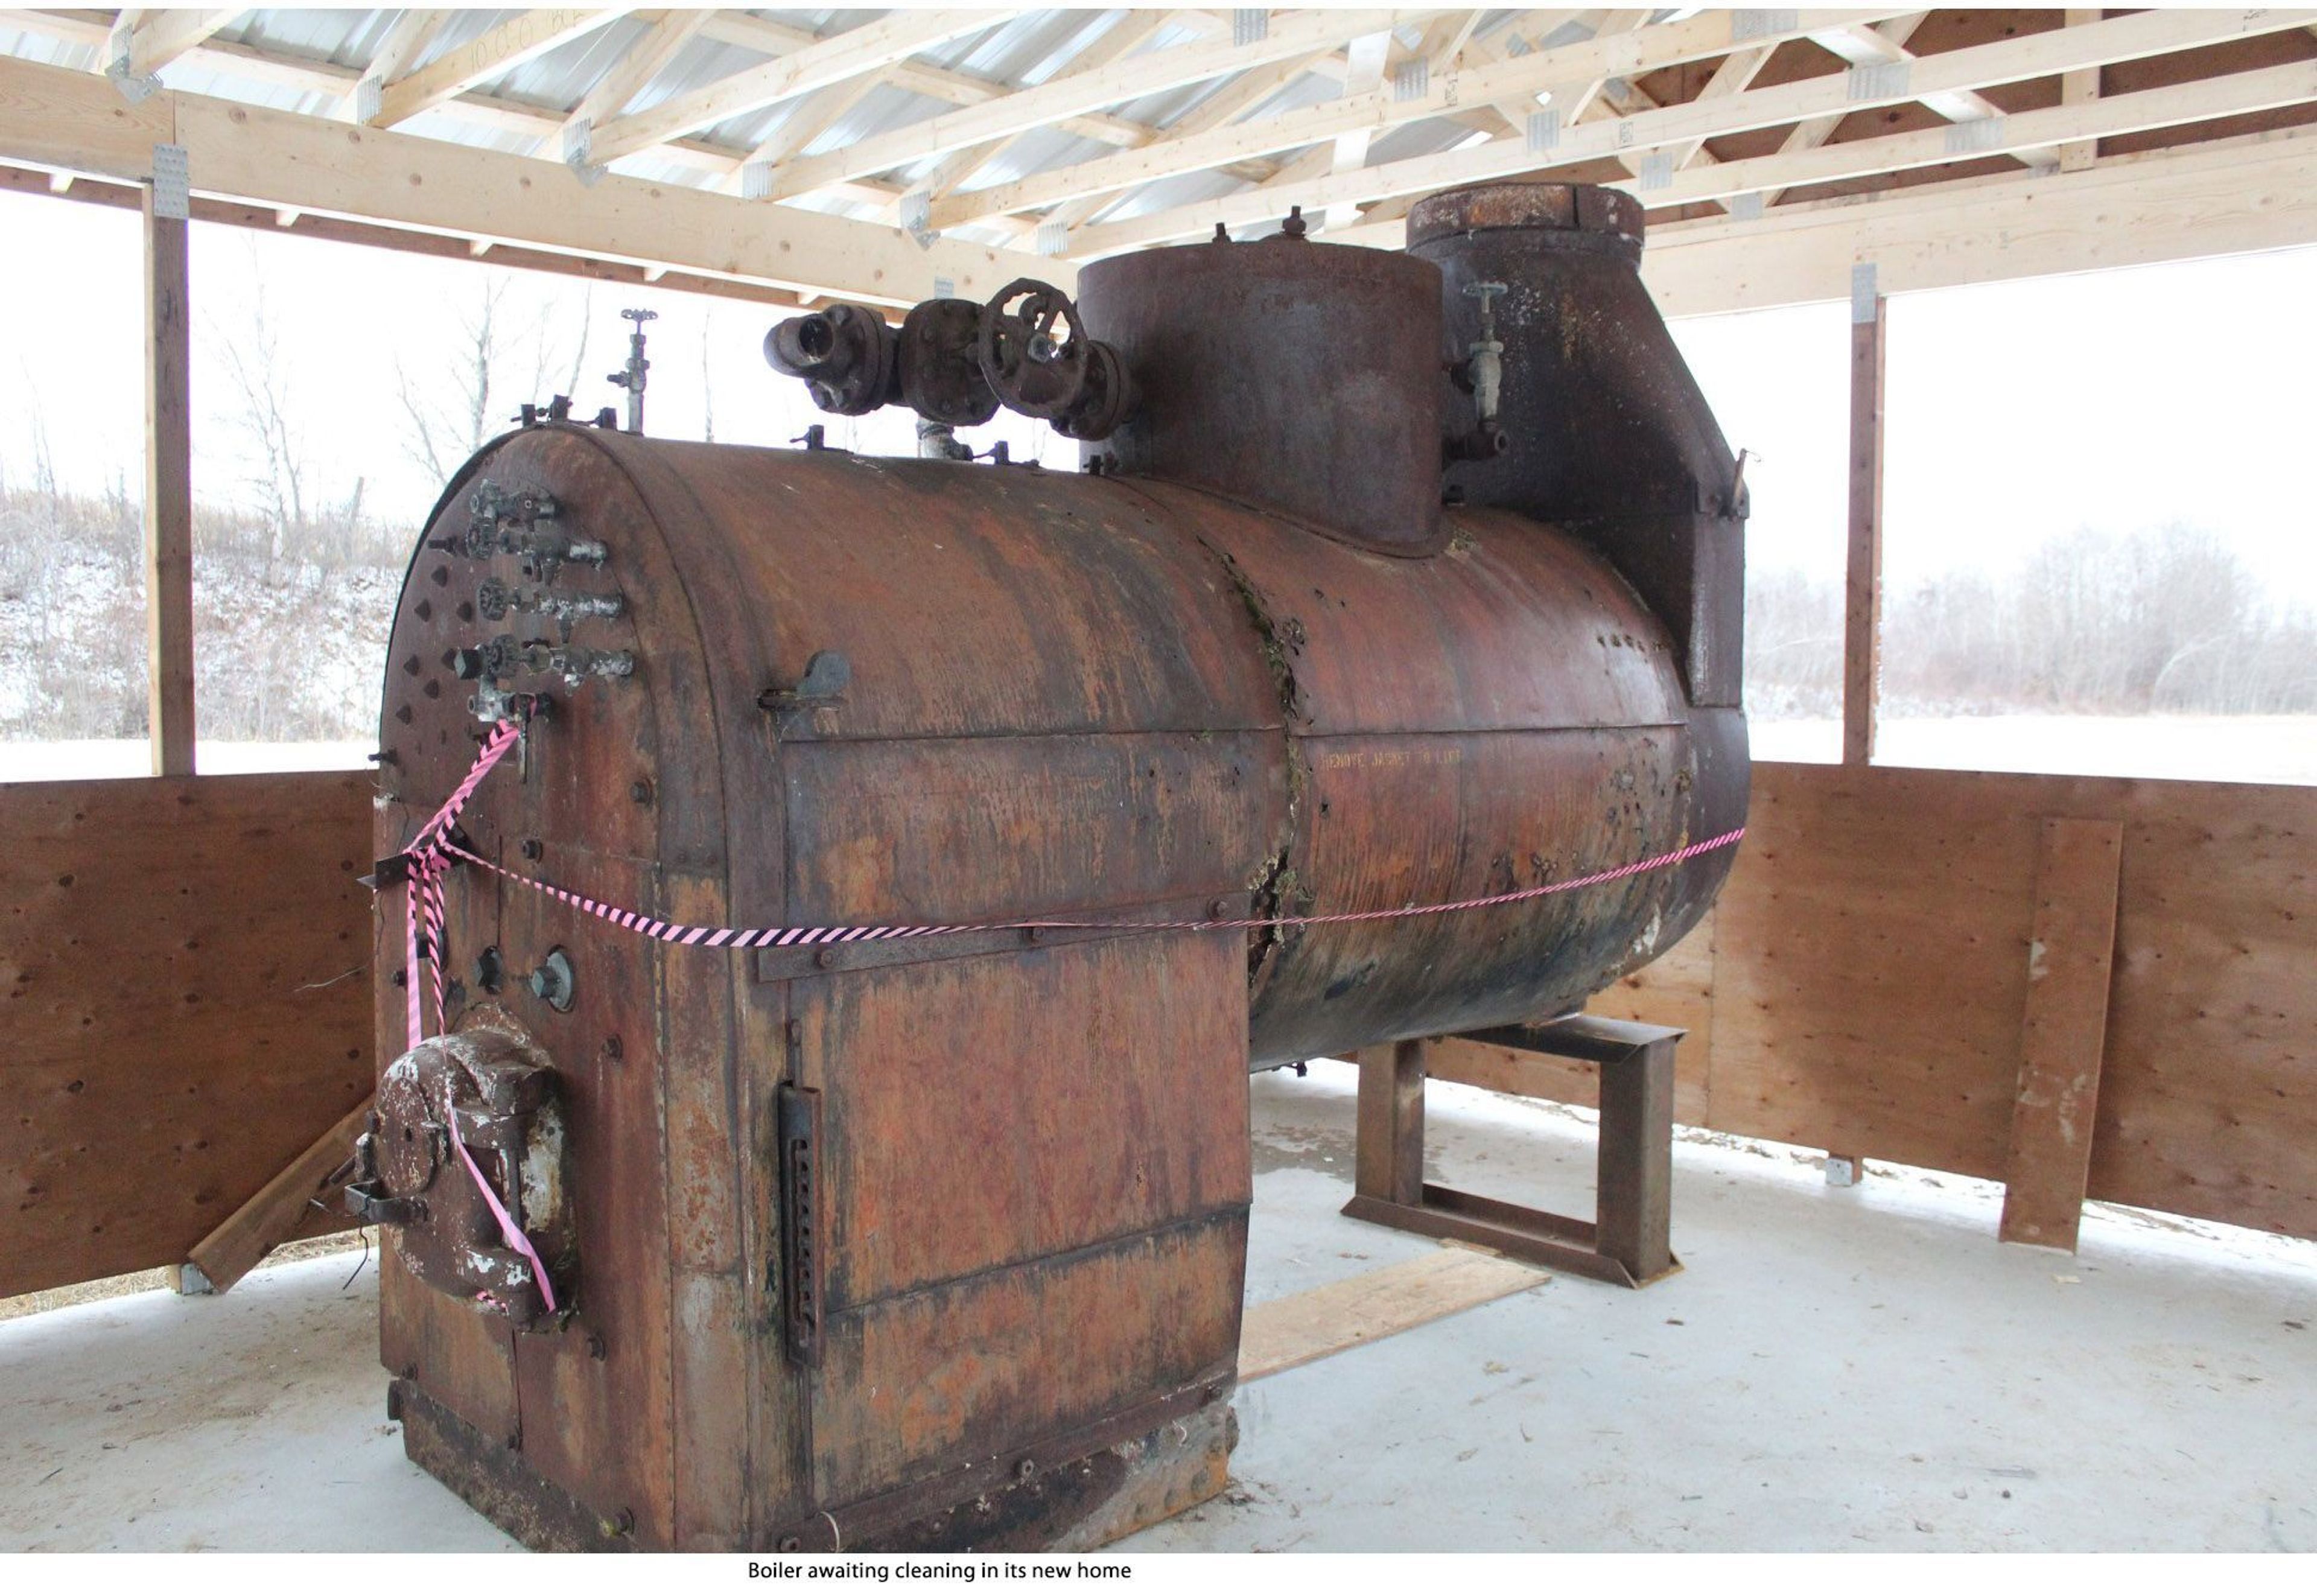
(1862, 621)
(168, 481)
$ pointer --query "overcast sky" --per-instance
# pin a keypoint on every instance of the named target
(2018, 411)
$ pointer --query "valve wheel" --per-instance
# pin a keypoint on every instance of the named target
(1029, 367)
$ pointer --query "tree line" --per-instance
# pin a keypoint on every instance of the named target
(2167, 621)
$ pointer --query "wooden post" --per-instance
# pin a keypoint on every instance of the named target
(2069, 952)
(1862, 621)
(1388, 1162)
(168, 471)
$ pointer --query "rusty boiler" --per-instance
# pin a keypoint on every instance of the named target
(1391, 579)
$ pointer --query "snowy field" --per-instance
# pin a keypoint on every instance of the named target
(2279, 749)
(2270, 749)
(78, 761)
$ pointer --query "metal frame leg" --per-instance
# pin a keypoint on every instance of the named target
(1629, 1241)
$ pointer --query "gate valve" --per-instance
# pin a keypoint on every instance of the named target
(1039, 360)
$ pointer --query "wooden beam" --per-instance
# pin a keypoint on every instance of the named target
(168, 483)
(1296, 34)
(70, 120)
(279, 1208)
(870, 48)
(402, 240)
(2144, 34)
(2071, 954)
(2257, 192)
(525, 37)
(1513, 79)
(1861, 613)
(2075, 88)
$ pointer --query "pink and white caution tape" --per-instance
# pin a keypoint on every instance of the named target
(431, 855)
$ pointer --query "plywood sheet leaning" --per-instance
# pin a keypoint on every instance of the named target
(184, 986)
(2070, 957)
(1873, 966)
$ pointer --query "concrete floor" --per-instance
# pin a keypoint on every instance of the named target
(1837, 1369)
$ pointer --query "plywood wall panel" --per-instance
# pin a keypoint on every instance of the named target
(2208, 1102)
(1865, 982)
(1872, 967)
(184, 990)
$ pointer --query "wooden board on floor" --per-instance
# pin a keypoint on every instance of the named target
(1310, 1325)
(187, 1005)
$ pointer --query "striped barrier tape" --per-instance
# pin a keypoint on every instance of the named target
(429, 858)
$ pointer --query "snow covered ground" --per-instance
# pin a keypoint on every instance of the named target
(127, 756)
(2278, 750)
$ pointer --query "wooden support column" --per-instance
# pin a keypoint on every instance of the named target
(1862, 620)
(1390, 1160)
(2069, 952)
(168, 468)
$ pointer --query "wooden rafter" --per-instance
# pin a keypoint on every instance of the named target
(947, 85)
(525, 37)
(2204, 99)
(2009, 60)
(1870, 47)
(1509, 81)
(1123, 40)
(644, 61)
(1153, 72)
(407, 37)
(145, 41)
(1814, 130)
(871, 46)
